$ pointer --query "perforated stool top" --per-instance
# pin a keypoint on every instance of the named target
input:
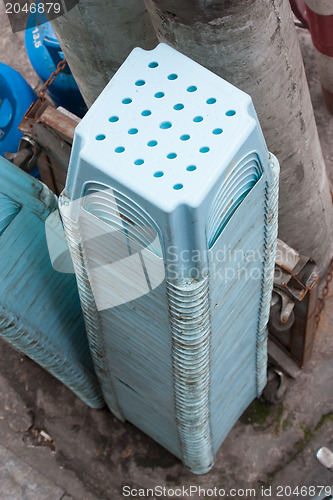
(165, 127)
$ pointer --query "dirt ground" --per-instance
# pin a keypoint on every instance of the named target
(93, 456)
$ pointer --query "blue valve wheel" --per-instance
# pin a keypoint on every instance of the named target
(15, 98)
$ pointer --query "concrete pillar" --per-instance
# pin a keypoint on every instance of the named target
(96, 38)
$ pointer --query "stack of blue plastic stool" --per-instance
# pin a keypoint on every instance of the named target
(170, 211)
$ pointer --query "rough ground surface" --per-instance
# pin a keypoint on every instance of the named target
(91, 455)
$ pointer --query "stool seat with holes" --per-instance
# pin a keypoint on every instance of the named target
(170, 211)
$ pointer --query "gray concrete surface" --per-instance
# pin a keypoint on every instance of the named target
(90, 455)
(19, 480)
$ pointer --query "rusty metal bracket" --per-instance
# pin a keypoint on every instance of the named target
(52, 129)
(294, 273)
(293, 308)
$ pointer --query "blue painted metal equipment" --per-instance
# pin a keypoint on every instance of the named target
(40, 313)
(45, 53)
(170, 211)
(16, 96)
